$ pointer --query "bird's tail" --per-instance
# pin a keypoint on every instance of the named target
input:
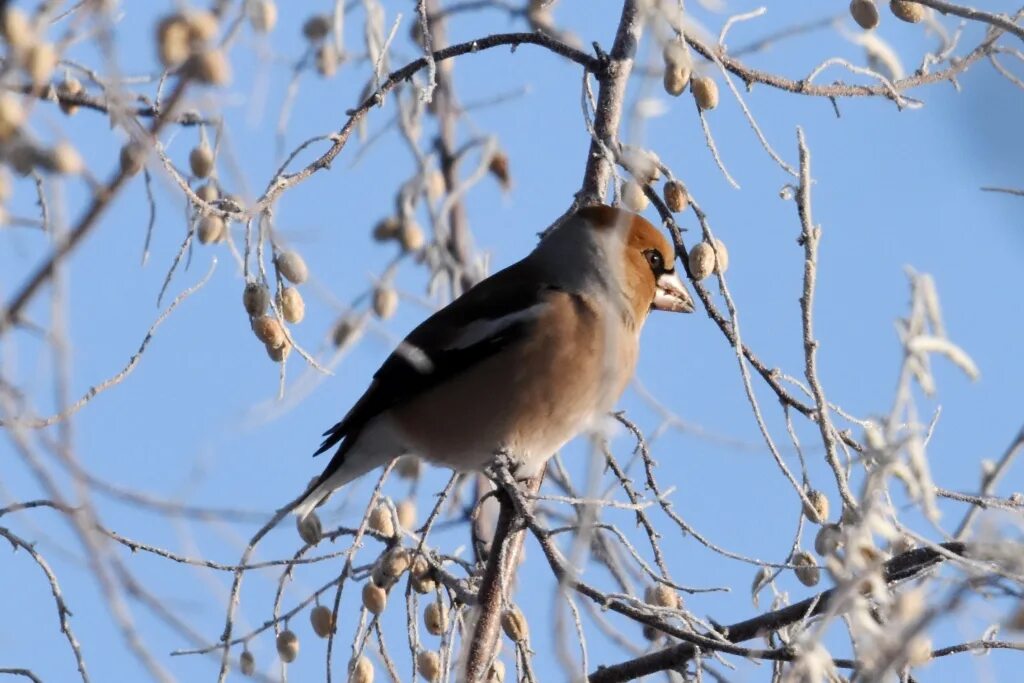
(357, 455)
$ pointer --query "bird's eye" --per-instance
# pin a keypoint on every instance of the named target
(656, 260)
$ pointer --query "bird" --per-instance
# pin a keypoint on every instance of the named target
(518, 364)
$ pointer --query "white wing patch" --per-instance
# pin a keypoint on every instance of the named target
(480, 330)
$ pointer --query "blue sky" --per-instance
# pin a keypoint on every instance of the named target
(198, 421)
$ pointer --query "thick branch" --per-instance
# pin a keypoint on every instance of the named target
(609, 104)
(899, 568)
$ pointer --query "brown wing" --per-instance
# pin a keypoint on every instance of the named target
(439, 348)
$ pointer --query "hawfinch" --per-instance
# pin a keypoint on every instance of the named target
(520, 363)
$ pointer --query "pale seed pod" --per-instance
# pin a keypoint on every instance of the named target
(721, 257)
(16, 29)
(429, 664)
(909, 605)
(342, 332)
(11, 116)
(806, 569)
(292, 267)
(316, 27)
(375, 598)
(200, 160)
(496, 674)
(705, 91)
(361, 670)
(865, 13)
(23, 157)
(202, 25)
(255, 298)
(919, 651)
(661, 595)
(322, 620)
(676, 196)
(211, 229)
(210, 67)
(424, 584)
(828, 539)
(818, 509)
(208, 192)
(907, 11)
(435, 618)
(385, 302)
(268, 330)
(411, 236)
(435, 185)
(394, 563)
(262, 15)
(327, 60)
(701, 260)
(247, 663)
(633, 196)
(675, 80)
(66, 159)
(310, 529)
(172, 37)
(386, 229)
(498, 167)
(513, 623)
(408, 467)
(381, 522)
(278, 354)
(287, 646)
(40, 61)
(70, 87)
(407, 514)
(133, 158)
(293, 308)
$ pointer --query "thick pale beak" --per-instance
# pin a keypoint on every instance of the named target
(671, 295)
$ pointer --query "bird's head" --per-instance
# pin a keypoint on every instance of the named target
(645, 269)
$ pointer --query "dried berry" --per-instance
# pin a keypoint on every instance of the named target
(262, 15)
(200, 160)
(676, 196)
(292, 267)
(394, 563)
(16, 29)
(375, 598)
(429, 665)
(865, 13)
(287, 646)
(828, 539)
(380, 520)
(435, 618)
(278, 354)
(721, 257)
(411, 236)
(69, 88)
(408, 467)
(342, 331)
(66, 159)
(208, 193)
(407, 514)
(268, 330)
(172, 37)
(701, 260)
(818, 509)
(907, 11)
(806, 569)
(133, 158)
(247, 663)
(293, 308)
(211, 229)
(387, 229)
(661, 595)
(513, 623)
(11, 116)
(361, 670)
(316, 27)
(705, 91)
(675, 80)
(310, 529)
(322, 620)
(633, 196)
(202, 25)
(210, 67)
(40, 61)
(385, 302)
(327, 60)
(498, 167)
